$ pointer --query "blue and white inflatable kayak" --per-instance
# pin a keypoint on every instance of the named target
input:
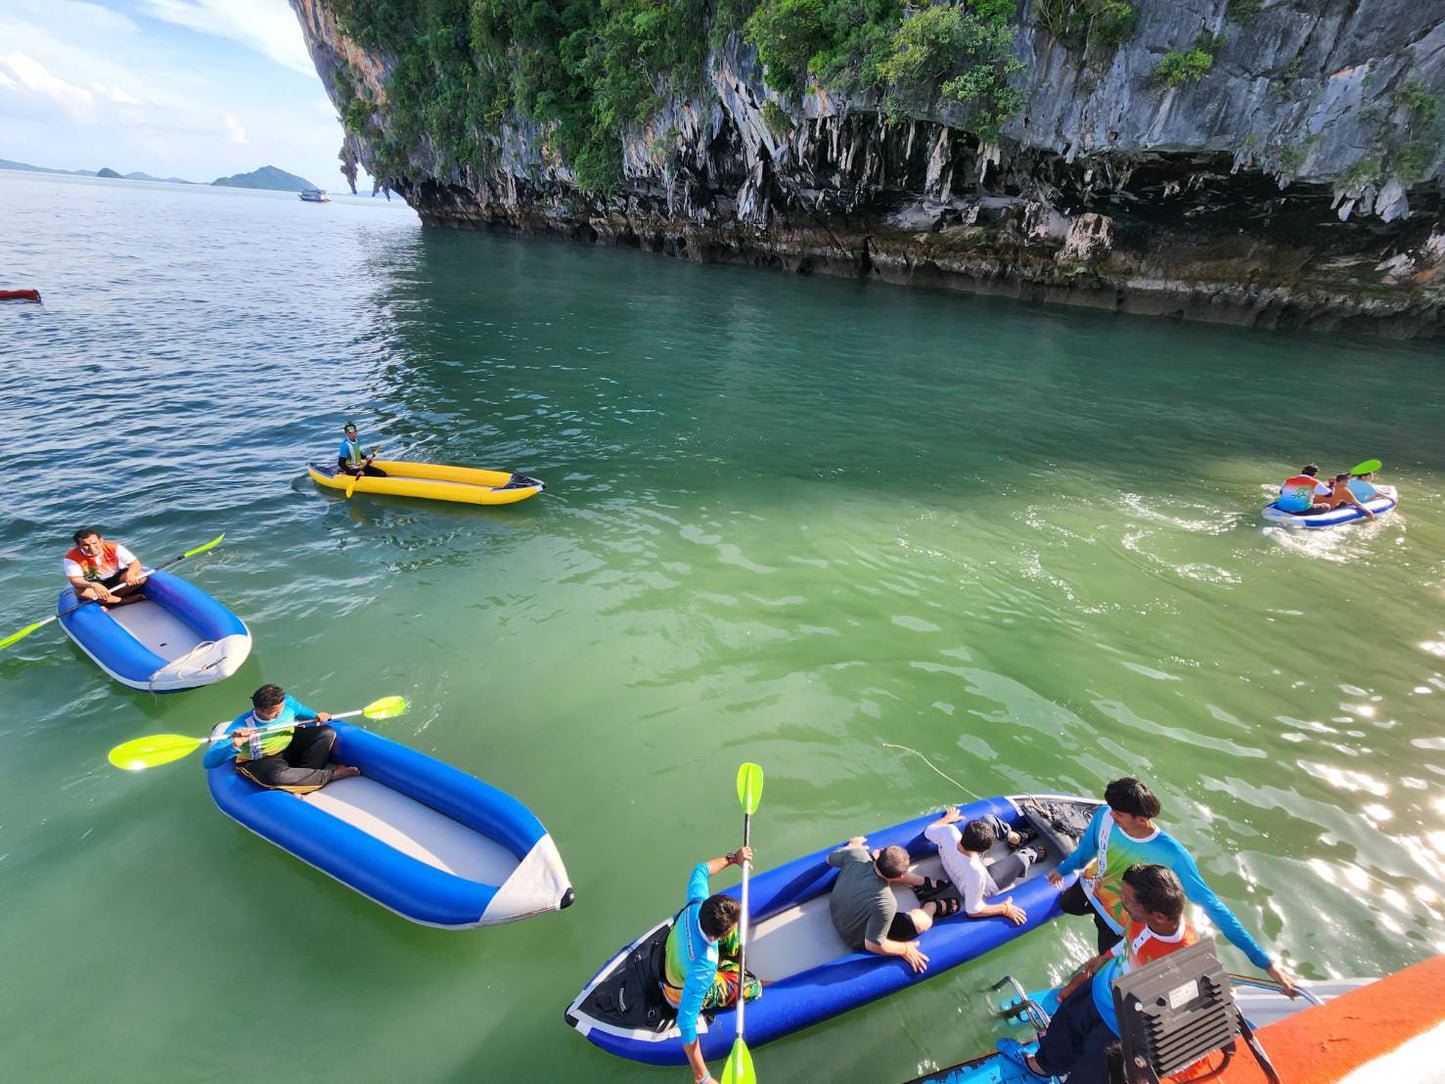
(178, 638)
(811, 974)
(419, 837)
(1344, 514)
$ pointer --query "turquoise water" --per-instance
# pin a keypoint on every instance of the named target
(788, 520)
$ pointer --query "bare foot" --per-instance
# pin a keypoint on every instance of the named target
(343, 771)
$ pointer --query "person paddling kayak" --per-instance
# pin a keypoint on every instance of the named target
(1341, 495)
(104, 571)
(351, 460)
(1303, 493)
(294, 759)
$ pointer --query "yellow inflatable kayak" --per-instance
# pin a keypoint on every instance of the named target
(434, 482)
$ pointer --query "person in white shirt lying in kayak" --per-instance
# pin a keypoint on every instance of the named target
(104, 571)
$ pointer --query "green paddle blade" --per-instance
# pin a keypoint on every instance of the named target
(739, 1067)
(202, 549)
(750, 795)
(1367, 467)
(143, 753)
(26, 631)
(387, 707)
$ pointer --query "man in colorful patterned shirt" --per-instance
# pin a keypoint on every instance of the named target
(1085, 1023)
(700, 965)
(1123, 834)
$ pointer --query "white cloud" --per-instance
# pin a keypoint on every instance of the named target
(269, 27)
(114, 94)
(234, 131)
(35, 77)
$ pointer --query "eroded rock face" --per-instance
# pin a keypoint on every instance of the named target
(1241, 198)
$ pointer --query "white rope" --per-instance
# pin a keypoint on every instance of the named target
(935, 767)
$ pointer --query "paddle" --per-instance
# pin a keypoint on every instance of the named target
(16, 637)
(143, 753)
(351, 485)
(739, 1067)
(1369, 466)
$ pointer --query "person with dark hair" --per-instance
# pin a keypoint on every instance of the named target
(1085, 1026)
(865, 910)
(962, 854)
(104, 571)
(700, 959)
(294, 758)
(351, 460)
(1301, 493)
(1341, 494)
(1123, 834)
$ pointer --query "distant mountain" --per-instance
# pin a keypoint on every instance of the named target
(106, 171)
(266, 177)
(5, 163)
(163, 180)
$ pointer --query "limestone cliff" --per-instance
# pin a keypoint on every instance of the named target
(1295, 182)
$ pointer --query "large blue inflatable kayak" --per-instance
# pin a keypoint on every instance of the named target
(178, 638)
(811, 974)
(419, 837)
(1344, 514)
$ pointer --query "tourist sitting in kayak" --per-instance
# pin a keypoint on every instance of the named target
(962, 854)
(351, 460)
(293, 759)
(1340, 494)
(1302, 493)
(1123, 834)
(700, 961)
(865, 911)
(1085, 1025)
(104, 571)
(1363, 487)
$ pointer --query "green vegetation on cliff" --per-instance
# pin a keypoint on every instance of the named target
(588, 69)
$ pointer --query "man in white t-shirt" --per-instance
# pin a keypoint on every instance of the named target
(104, 571)
(962, 854)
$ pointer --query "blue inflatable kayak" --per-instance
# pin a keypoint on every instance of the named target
(811, 974)
(419, 837)
(178, 638)
(1345, 514)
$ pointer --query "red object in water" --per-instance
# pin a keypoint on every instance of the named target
(20, 295)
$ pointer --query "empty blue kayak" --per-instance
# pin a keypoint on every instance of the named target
(812, 975)
(178, 638)
(419, 837)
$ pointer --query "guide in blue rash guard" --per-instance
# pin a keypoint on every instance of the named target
(350, 459)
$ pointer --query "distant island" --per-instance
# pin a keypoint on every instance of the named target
(267, 177)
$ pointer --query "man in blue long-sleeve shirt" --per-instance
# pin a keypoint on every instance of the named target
(1123, 834)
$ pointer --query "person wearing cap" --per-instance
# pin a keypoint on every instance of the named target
(296, 759)
(350, 459)
(105, 572)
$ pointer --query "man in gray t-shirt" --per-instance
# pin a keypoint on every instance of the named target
(864, 909)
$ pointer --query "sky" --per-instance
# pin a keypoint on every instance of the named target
(196, 89)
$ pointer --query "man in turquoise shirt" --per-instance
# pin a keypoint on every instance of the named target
(1123, 834)
(290, 758)
(694, 980)
(350, 459)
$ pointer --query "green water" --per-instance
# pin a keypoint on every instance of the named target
(787, 520)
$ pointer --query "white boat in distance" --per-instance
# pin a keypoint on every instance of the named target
(315, 195)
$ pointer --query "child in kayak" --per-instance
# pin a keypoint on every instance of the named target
(1341, 495)
(962, 854)
(1363, 486)
(350, 458)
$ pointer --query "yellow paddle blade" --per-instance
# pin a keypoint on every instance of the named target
(386, 708)
(750, 789)
(26, 631)
(202, 549)
(143, 753)
(739, 1067)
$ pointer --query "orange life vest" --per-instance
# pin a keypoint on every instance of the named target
(99, 567)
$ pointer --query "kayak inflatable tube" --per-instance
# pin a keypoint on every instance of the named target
(811, 974)
(178, 638)
(1345, 514)
(423, 839)
(20, 295)
(432, 481)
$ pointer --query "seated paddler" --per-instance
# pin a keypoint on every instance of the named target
(273, 754)
(700, 964)
(350, 459)
(103, 571)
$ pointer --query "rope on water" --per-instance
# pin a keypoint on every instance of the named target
(935, 767)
